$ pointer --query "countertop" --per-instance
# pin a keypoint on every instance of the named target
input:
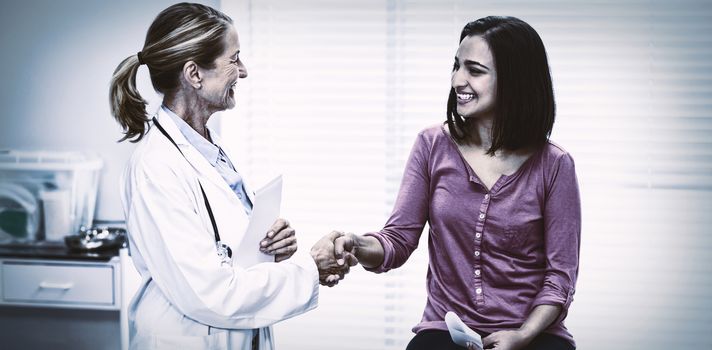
(52, 250)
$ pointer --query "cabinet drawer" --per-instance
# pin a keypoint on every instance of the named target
(57, 283)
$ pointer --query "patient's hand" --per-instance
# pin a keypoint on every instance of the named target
(330, 271)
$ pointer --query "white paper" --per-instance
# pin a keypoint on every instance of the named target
(265, 211)
(460, 333)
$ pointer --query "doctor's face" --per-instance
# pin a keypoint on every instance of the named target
(220, 83)
(474, 78)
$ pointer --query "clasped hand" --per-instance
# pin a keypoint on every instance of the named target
(334, 255)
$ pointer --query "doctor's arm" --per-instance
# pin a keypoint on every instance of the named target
(169, 232)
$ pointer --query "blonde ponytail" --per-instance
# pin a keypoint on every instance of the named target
(127, 105)
(182, 32)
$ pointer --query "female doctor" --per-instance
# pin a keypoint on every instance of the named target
(187, 206)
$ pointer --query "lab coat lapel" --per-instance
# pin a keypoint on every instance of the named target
(237, 162)
(196, 160)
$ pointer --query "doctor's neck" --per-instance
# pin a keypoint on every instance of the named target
(191, 110)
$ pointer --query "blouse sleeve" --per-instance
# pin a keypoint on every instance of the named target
(562, 230)
(400, 236)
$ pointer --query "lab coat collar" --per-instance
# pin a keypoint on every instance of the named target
(208, 149)
(192, 155)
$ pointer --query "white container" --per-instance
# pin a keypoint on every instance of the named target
(56, 205)
(64, 183)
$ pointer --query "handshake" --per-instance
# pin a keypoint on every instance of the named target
(334, 255)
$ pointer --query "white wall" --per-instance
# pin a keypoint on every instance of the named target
(56, 60)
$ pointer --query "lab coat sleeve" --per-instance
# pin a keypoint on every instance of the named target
(178, 247)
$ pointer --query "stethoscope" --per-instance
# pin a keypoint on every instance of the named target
(223, 250)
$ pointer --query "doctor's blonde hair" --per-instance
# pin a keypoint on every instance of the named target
(180, 33)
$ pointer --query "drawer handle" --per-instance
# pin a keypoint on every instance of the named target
(62, 286)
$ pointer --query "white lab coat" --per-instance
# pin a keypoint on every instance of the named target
(187, 300)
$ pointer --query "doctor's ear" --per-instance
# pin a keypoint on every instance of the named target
(192, 74)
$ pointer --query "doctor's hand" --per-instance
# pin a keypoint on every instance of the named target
(323, 253)
(280, 241)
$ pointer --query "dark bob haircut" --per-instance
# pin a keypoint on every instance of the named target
(524, 106)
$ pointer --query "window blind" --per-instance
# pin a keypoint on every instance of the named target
(338, 90)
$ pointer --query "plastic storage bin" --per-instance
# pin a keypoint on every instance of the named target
(46, 194)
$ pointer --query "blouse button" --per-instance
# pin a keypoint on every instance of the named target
(487, 196)
(478, 290)
(477, 253)
(482, 216)
(478, 235)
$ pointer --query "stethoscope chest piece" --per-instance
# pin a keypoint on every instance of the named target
(224, 253)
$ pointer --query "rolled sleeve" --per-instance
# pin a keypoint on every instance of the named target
(562, 225)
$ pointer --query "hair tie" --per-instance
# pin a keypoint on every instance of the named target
(139, 55)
